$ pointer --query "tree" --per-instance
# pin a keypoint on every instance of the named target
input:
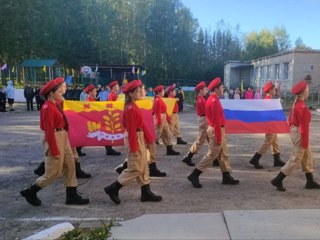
(282, 38)
(299, 45)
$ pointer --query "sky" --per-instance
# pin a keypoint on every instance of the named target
(301, 18)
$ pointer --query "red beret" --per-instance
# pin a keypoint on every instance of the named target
(299, 87)
(112, 84)
(158, 89)
(89, 88)
(214, 83)
(200, 86)
(59, 80)
(48, 87)
(170, 88)
(269, 85)
(131, 86)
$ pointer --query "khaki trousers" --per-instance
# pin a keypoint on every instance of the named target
(54, 167)
(151, 153)
(174, 125)
(75, 155)
(202, 135)
(299, 155)
(163, 131)
(270, 140)
(214, 151)
(138, 167)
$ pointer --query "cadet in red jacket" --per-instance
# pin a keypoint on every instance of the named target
(201, 91)
(162, 119)
(113, 96)
(79, 172)
(271, 138)
(59, 159)
(299, 121)
(138, 135)
(174, 120)
(217, 139)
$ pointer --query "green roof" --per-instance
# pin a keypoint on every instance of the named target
(39, 62)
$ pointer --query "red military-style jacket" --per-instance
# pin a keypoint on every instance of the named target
(112, 96)
(133, 122)
(267, 97)
(176, 106)
(50, 119)
(201, 106)
(215, 116)
(300, 116)
(159, 107)
(91, 99)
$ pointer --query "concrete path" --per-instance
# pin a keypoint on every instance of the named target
(235, 225)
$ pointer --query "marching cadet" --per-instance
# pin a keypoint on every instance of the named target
(138, 134)
(40, 170)
(58, 153)
(113, 96)
(201, 91)
(271, 139)
(299, 121)
(162, 119)
(174, 120)
(151, 152)
(217, 139)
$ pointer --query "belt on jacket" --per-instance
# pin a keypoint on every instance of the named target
(203, 115)
(58, 129)
(139, 129)
(222, 126)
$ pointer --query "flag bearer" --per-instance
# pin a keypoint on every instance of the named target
(79, 172)
(58, 154)
(162, 119)
(138, 135)
(217, 139)
(299, 121)
(174, 123)
(201, 91)
(113, 96)
(271, 139)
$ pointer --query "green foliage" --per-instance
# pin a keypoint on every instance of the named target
(163, 36)
(100, 233)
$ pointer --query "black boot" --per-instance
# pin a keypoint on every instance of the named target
(277, 160)
(121, 167)
(111, 152)
(215, 163)
(147, 195)
(255, 161)
(227, 179)
(277, 182)
(80, 173)
(194, 178)
(187, 159)
(155, 172)
(170, 151)
(30, 194)
(113, 192)
(40, 169)
(72, 197)
(311, 183)
(180, 141)
(80, 153)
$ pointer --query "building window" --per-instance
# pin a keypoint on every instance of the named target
(261, 73)
(268, 72)
(277, 71)
(286, 71)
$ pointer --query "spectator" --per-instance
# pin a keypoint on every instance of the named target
(76, 93)
(180, 95)
(257, 95)
(3, 100)
(37, 96)
(231, 94)
(104, 93)
(10, 94)
(150, 92)
(99, 89)
(236, 94)
(225, 94)
(69, 94)
(29, 95)
(83, 95)
(249, 94)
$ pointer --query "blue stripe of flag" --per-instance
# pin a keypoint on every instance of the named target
(255, 116)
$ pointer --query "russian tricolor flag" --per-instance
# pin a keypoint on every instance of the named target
(254, 116)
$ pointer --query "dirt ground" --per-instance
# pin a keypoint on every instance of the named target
(21, 152)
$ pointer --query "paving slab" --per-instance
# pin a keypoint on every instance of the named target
(173, 226)
(274, 224)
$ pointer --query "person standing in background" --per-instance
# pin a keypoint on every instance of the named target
(3, 100)
(29, 95)
(180, 95)
(257, 95)
(10, 94)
